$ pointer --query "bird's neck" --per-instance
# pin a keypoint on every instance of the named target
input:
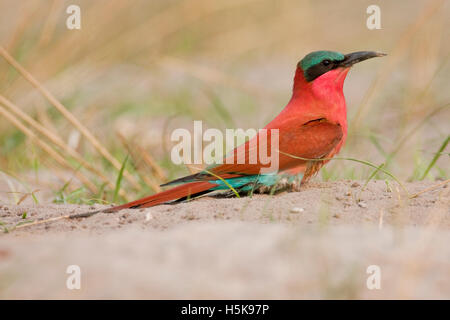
(322, 97)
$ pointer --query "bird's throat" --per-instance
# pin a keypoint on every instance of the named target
(322, 97)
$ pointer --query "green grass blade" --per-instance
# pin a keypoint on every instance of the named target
(224, 181)
(119, 180)
(436, 157)
(410, 133)
(372, 175)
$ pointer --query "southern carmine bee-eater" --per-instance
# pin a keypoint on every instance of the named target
(313, 125)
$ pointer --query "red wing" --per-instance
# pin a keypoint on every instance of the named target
(312, 140)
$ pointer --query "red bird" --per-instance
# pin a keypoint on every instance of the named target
(313, 126)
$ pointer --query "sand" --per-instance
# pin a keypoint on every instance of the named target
(316, 243)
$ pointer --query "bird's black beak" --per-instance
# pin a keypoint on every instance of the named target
(355, 57)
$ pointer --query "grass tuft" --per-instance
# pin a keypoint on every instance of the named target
(436, 157)
(119, 179)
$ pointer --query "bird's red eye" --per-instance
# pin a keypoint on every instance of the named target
(326, 62)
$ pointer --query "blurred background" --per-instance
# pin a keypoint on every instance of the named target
(87, 114)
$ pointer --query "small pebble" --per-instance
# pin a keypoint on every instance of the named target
(362, 204)
(297, 210)
(355, 184)
(337, 216)
(148, 216)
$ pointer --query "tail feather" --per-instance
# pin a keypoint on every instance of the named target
(182, 191)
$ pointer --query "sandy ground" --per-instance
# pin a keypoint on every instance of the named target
(317, 243)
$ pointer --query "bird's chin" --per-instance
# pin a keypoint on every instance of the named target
(341, 73)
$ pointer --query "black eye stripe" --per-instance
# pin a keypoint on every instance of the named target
(319, 69)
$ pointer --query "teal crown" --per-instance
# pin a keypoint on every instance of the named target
(316, 57)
